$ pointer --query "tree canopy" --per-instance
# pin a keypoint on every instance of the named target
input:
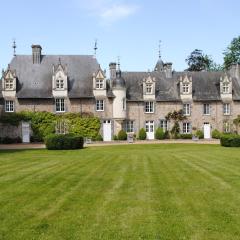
(232, 53)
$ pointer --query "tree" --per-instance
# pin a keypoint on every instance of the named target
(232, 53)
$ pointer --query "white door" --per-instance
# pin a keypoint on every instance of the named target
(207, 130)
(107, 130)
(25, 132)
(149, 126)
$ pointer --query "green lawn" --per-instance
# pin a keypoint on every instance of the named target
(121, 192)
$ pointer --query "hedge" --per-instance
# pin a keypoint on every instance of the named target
(63, 142)
(230, 140)
(159, 134)
(142, 135)
(122, 135)
(216, 134)
(199, 134)
(186, 136)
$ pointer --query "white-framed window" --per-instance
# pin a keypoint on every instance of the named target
(9, 84)
(225, 87)
(59, 83)
(186, 109)
(9, 106)
(129, 126)
(60, 104)
(99, 84)
(149, 107)
(186, 128)
(149, 88)
(226, 127)
(61, 127)
(206, 109)
(226, 109)
(99, 105)
(124, 104)
(164, 124)
(185, 88)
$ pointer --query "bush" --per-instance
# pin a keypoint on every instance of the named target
(230, 140)
(216, 134)
(186, 136)
(115, 137)
(63, 142)
(200, 134)
(175, 130)
(159, 134)
(142, 134)
(98, 138)
(122, 135)
(8, 140)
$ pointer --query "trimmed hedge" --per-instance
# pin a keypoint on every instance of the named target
(230, 140)
(159, 134)
(122, 135)
(142, 135)
(63, 142)
(8, 140)
(186, 136)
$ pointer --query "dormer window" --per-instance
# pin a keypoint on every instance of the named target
(59, 84)
(225, 87)
(9, 84)
(99, 84)
(149, 88)
(185, 88)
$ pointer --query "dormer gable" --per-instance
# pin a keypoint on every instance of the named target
(99, 83)
(185, 87)
(226, 87)
(149, 87)
(59, 80)
(9, 80)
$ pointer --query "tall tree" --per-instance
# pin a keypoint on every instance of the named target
(232, 53)
(197, 61)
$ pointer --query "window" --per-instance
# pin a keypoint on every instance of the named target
(60, 83)
(9, 84)
(206, 109)
(60, 105)
(61, 127)
(9, 106)
(225, 87)
(124, 104)
(186, 128)
(99, 105)
(99, 83)
(186, 109)
(185, 88)
(226, 127)
(149, 88)
(129, 126)
(164, 125)
(226, 109)
(149, 107)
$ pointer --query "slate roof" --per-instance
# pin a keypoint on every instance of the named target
(35, 80)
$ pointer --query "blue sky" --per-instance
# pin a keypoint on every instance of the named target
(129, 29)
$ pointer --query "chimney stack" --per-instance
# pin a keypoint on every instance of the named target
(36, 54)
(168, 70)
(113, 70)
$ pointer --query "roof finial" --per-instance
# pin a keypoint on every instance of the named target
(118, 63)
(159, 49)
(14, 46)
(95, 48)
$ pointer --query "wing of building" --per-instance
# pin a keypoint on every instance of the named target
(128, 100)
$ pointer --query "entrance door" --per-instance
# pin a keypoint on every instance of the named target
(149, 125)
(25, 132)
(207, 130)
(107, 130)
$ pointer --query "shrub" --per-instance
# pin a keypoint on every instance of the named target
(159, 134)
(8, 140)
(122, 135)
(175, 130)
(230, 140)
(142, 134)
(115, 137)
(166, 135)
(186, 136)
(216, 134)
(199, 134)
(63, 142)
(98, 138)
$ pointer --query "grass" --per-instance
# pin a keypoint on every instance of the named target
(170, 192)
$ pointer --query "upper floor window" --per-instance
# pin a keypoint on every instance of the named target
(9, 106)
(99, 105)
(226, 109)
(149, 107)
(60, 105)
(60, 83)
(149, 88)
(186, 128)
(129, 126)
(164, 124)
(9, 84)
(186, 109)
(225, 87)
(185, 88)
(206, 109)
(99, 83)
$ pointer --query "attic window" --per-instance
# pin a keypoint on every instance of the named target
(225, 87)
(185, 88)
(99, 83)
(149, 88)
(9, 84)
(60, 83)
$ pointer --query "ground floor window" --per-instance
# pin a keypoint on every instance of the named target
(60, 105)
(129, 126)
(61, 127)
(226, 127)
(9, 106)
(164, 124)
(99, 105)
(186, 128)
